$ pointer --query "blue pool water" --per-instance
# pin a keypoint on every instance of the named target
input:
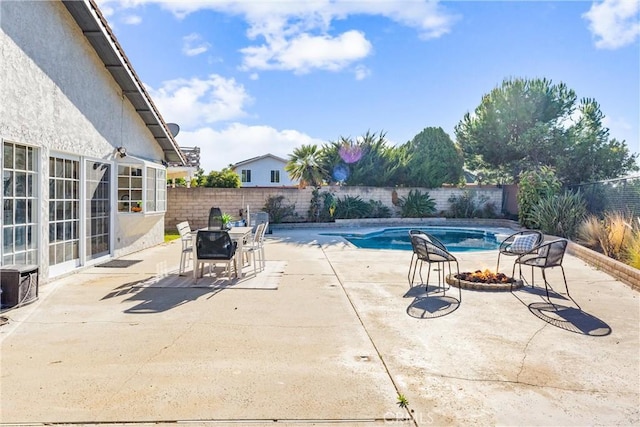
(458, 239)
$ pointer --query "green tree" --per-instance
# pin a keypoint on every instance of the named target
(374, 168)
(199, 178)
(535, 185)
(369, 160)
(304, 165)
(591, 155)
(524, 124)
(433, 159)
(226, 178)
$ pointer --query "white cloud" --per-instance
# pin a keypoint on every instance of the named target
(362, 72)
(107, 11)
(132, 19)
(193, 45)
(614, 23)
(238, 142)
(304, 52)
(297, 35)
(197, 101)
(619, 123)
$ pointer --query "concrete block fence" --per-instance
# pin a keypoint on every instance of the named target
(193, 204)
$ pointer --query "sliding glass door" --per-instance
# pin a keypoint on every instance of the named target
(97, 209)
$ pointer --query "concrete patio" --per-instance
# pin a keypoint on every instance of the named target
(334, 344)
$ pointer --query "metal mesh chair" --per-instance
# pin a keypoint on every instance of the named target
(215, 219)
(519, 243)
(214, 247)
(413, 255)
(546, 255)
(430, 250)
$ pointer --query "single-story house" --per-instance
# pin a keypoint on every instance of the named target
(84, 148)
(263, 171)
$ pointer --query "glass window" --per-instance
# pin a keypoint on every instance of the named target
(161, 190)
(19, 204)
(156, 190)
(129, 188)
(246, 175)
(142, 188)
(151, 190)
(275, 176)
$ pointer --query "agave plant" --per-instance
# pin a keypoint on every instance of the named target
(417, 205)
(351, 207)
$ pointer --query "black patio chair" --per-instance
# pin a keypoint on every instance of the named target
(413, 255)
(546, 255)
(518, 244)
(214, 247)
(428, 249)
(215, 219)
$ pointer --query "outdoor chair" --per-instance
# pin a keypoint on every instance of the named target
(258, 218)
(430, 250)
(186, 238)
(215, 219)
(414, 254)
(546, 255)
(518, 244)
(214, 247)
(256, 246)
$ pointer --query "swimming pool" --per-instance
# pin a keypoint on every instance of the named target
(456, 239)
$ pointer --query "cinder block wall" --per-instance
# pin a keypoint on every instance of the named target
(193, 204)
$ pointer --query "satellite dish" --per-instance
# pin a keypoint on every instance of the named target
(174, 129)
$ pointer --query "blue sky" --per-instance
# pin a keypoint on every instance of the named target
(246, 78)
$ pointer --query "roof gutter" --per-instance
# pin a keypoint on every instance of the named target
(98, 33)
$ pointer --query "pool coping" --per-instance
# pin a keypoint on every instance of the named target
(402, 222)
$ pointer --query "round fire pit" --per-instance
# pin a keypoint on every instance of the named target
(483, 281)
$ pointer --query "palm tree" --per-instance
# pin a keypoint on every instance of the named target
(304, 165)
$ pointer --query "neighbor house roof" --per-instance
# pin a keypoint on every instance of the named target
(255, 159)
(97, 31)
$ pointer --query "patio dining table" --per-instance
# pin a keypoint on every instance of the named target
(238, 235)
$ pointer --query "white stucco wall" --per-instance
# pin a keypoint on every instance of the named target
(261, 173)
(57, 95)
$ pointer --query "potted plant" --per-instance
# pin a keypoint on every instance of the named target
(226, 219)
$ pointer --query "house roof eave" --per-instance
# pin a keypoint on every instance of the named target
(100, 36)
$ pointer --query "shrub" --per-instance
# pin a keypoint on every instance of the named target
(590, 232)
(226, 178)
(178, 182)
(417, 205)
(322, 206)
(560, 215)
(278, 211)
(613, 235)
(533, 187)
(470, 205)
(351, 207)
(633, 248)
(378, 209)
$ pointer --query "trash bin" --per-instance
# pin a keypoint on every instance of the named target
(19, 285)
